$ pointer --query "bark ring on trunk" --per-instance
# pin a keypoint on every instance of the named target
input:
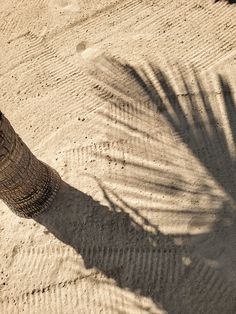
(27, 185)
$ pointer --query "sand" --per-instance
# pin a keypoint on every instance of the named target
(133, 103)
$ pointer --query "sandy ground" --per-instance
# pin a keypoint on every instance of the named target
(133, 102)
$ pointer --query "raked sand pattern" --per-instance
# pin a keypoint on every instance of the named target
(133, 103)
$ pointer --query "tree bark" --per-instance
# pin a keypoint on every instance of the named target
(27, 185)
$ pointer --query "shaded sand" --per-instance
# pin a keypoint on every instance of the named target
(133, 103)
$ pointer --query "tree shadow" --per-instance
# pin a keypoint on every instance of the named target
(228, 1)
(174, 274)
(149, 264)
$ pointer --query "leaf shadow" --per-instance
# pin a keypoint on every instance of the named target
(180, 273)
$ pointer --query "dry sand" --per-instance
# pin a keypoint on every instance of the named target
(146, 221)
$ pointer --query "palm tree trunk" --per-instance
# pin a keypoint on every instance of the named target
(27, 185)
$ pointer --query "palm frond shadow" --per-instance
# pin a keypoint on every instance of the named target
(203, 133)
(228, 1)
(176, 276)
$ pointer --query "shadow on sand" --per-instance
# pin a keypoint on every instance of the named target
(228, 1)
(175, 275)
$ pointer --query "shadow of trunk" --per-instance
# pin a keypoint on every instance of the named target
(149, 264)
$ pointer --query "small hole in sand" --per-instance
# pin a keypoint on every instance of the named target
(81, 46)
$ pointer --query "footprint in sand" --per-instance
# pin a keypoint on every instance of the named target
(88, 54)
(69, 6)
(94, 60)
